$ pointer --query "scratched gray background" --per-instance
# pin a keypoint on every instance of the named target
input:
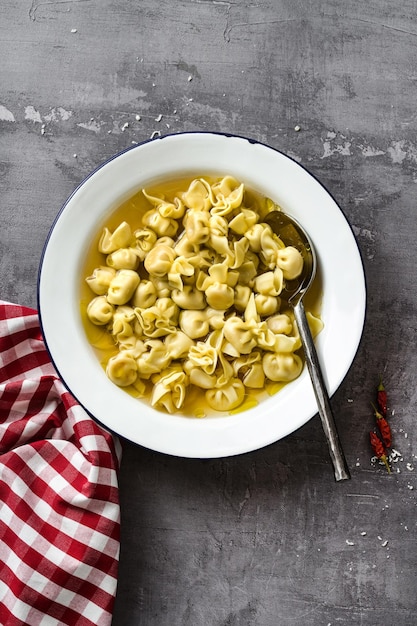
(266, 538)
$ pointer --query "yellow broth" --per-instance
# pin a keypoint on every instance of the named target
(131, 211)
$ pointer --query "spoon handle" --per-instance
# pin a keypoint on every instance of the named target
(341, 471)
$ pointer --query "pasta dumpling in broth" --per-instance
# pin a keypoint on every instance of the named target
(189, 287)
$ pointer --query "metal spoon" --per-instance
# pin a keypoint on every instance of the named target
(292, 234)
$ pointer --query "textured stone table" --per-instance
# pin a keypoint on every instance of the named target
(268, 537)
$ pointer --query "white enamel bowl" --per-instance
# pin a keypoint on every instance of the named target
(261, 168)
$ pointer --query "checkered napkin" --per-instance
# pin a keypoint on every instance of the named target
(59, 502)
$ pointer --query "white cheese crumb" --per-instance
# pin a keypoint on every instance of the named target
(138, 118)
(125, 125)
(380, 538)
(410, 487)
(75, 156)
(167, 125)
(73, 30)
(174, 111)
(384, 543)
(349, 399)
(297, 128)
(156, 133)
(190, 78)
(349, 543)
(395, 455)
(43, 129)
(159, 118)
(409, 467)
(363, 533)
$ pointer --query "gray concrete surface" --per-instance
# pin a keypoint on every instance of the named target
(266, 538)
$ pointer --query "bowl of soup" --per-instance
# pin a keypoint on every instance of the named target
(161, 295)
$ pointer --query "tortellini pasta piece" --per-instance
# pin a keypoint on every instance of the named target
(123, 259)
(196, 226)
(144, 241)
(100, 279)
(163, 226)
(266, 305)
(189, 298)
(240, 335)
(191, 294)
(269, 283)
(199, 195)
(145, 295)
(122, 286)
(280, 323)
(194, 324)
(178, 344)
(120, 238)
(281, 367)
(100, 311)
(122, 369)
(159, 260)
(291, 262)
(251, 370)
(227, 397)
(155, 359)
(169, 391)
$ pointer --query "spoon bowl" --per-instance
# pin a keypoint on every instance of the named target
(293, 234)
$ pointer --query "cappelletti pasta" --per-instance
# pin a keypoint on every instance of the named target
(191, 298)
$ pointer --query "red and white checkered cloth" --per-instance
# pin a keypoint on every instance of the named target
(59, 499)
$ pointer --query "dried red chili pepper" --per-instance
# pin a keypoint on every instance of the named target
(381, 398)
(379, 450)
(383, 427)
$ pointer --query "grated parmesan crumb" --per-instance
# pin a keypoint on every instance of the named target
(384, 543)
(297, 128)
(363, 533)
(156, 133)
(349, 542)
(137, 117)
(409, 467)
(73, 30)
(159, 118)
(190, 78)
